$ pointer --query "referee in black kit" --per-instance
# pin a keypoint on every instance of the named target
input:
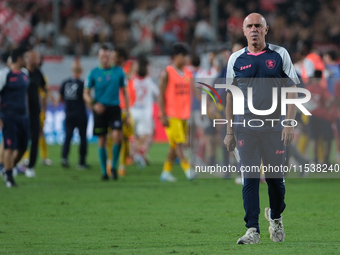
(71, 92)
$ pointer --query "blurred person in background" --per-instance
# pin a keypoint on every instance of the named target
(208, 76)
(197, 122)
(71, 92)
(142, 110)
(320, 122)
(106, 80)
(332, 71)
(14, 119)
(36, 81)
(92, 28)
(44, 94)
(119, 57)
(8, 64)
(174, 104)
(311, 62)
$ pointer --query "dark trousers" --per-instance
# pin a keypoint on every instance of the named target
(70, 124)
(254, 146)
(34, 135)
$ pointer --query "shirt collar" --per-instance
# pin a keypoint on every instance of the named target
(264, 49)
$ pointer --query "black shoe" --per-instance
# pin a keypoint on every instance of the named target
(114, 174)
(9, 180)
(64, 163)
(105, 177)
(83, 167)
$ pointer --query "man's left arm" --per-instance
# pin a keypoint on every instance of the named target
(126, 98)
(288, 68)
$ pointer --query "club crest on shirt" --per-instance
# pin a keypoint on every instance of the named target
(240, 143)
(270, 63)
(99, 79)
(186, 79)
(108, 77)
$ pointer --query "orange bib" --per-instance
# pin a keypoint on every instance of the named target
(177, 93)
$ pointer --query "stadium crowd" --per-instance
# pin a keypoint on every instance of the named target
(150, 26)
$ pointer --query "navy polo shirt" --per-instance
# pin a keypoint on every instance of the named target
(271, 68)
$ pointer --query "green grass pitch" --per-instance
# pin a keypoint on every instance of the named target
(73, 212)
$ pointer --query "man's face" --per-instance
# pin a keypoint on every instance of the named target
(327, 59)
(31, 59)
(211, 57)
(104, 58)
(22, 61)
(181, 59)
(116, 59)
(255, 29)
(113, 58)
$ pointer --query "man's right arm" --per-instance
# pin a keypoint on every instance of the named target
(229, 140)
(3, 77)
(61, 93)
(162, 87)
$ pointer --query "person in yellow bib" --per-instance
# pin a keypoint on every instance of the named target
(174, 103)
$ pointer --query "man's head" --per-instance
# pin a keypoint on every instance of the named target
(195, 61)
(32, 60)
(240, 44)
(77, 69)
(142, 66)
(119, 56)
(179, 54)
(104, 56)
(17, 56)
(330, 57)
(305, 47)
(211, 57)
(255, 29)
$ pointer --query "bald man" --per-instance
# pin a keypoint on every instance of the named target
(71, 93)
(262, 67)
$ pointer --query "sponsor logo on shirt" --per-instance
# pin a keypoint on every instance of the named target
(245, 67)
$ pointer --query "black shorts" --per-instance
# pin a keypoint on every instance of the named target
(15, 132)
(320, 128)
(112, 117)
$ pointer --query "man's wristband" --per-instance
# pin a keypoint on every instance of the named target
(230, 133)
(93, 102)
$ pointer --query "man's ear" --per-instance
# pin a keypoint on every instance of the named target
(267, 29)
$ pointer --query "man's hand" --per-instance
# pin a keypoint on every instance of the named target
(165, 121)
(230, 142)
(99, 108)
(127, 120)
(287, 135)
